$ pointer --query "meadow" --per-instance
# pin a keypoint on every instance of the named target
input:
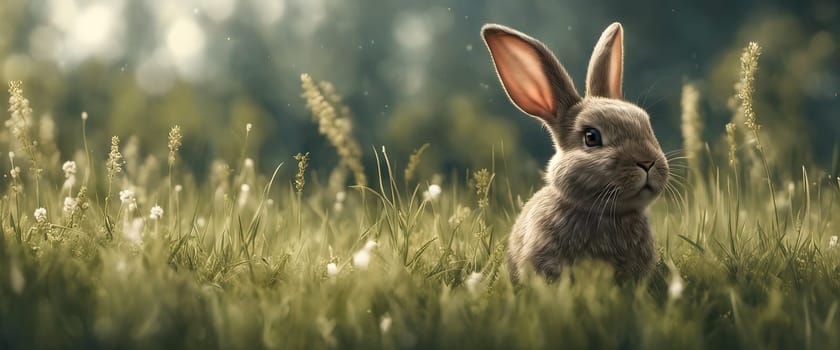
(112, 248)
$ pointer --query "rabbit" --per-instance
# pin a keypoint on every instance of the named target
(608, 165)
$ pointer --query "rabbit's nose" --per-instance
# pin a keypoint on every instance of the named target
(645, 165)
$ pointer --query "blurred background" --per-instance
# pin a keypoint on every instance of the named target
(412, 72)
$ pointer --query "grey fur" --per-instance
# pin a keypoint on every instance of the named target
(594, 201)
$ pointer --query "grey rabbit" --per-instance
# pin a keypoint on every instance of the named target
(608, 165)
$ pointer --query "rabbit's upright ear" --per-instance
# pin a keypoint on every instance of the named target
(531, 75)
(607, 64)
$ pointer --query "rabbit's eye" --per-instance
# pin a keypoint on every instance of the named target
(592, 137)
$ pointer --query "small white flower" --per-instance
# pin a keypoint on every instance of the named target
(156, 212)
(832, 242)
(369, 245)
(69, 205)
(40, 215)
(361, 259)
(178, 188)
(269, 201)
(385, 323)
(243, 194)
(473, 280)
(15, 172)
(461, 213)
(332, 269)
(84, 115)
(134, 230)
(69, 169)
(675, 288)
(11, 156)
(248, 127)
(126, 196)
(249, 163)
(338, 205)
(432, 193)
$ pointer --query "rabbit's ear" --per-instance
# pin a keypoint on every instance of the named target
(607, 64)
(531, 75)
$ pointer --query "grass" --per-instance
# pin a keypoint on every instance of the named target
(244, 260)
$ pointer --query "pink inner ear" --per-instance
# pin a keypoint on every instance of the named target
(616, 65)
(522, 73)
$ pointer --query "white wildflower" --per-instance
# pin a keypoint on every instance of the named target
(69, 169)
(248, 127)
(332, 269)
(15, 172)
(473, 280)
(385, 323)
(156, 213)
(249, 163)
(178, 188)
(432, 193)
(11, 156)
(369, 245)
(461, 213)
(40, 215)
(126, 196)
(69, 205)
(338, 205)
(84, 115)
(244, 190)
(134, 230)
(675, 288)
(832, 242)
(361, 258)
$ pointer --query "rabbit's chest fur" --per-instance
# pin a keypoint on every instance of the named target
(548, 235)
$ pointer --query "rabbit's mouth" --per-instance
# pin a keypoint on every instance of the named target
(646, 192)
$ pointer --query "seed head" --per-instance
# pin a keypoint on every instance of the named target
(303, 163)
(40, 215)
(69, 169)
(174, 142)
(69, 205)
(156, 212)
(115, 160)
(432, 193)
(482, 179)
(746, 86)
